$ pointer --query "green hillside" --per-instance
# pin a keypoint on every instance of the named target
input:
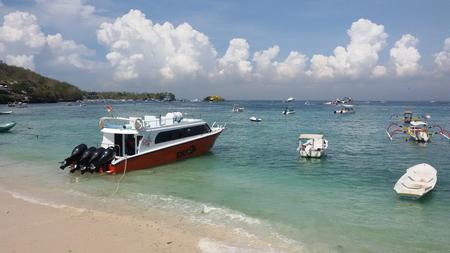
(19, 84)
(23, 85)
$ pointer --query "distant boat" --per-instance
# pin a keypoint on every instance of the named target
(290, 99)
(345, 109)
(6, 127)
(255, 119)
(337, 101)
(237, 108)
(288, 110)
(307, 102)
(18, 104)
(417, 181)
(5, 112)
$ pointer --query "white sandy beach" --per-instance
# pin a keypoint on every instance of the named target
(28, 227)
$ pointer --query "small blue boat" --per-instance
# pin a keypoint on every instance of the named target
(6, 127)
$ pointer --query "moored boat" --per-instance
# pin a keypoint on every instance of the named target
(6, 126)
(345, 109)
(255, 119)
(417, 181)
(5, 112)
(314, 145)
(290, 99)
(288, 110)
(149, 141)
(237, 108)
(416, 127)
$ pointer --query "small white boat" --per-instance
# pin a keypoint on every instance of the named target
(417, 181)
(307, 103)
(255, 119)
(344, 109)
(5, 112)
(288, 110)
(237, 108)
(290, 99)
(315, 145)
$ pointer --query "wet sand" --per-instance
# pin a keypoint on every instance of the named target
(28, 227)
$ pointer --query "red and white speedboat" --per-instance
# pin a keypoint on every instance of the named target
(150, 141)
(143, 142)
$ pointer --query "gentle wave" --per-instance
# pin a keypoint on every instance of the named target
(207, 245)
(39, 201)
(240, 223)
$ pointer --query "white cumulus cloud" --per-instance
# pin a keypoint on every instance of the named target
(75, 16)
(139, 48)
(69, 52)
(21, 39)
(442, 59)
(25, 61)
(267, 67)
(358, 58)
(405, 56)
(379, 71)
(235, 62)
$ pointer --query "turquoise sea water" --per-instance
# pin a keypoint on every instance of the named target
(252, 180)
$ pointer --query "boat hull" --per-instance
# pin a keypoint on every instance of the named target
(166, 155)
(312, 154)
(6, 127)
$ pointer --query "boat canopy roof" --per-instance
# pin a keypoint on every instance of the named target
(133, 124)
(348, 106)
(418, 123)
(311, 136)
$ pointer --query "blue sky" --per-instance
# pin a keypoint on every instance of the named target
(396, 50)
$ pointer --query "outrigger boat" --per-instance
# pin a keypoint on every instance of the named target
(417, 181)
(416, 128)
(337, 101)
(315, 145)
(143, 142)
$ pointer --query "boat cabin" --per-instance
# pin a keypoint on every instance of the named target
(407, 117)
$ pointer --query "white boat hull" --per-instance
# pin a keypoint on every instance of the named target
(312, 154)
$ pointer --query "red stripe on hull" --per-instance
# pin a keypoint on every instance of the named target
(166, 155)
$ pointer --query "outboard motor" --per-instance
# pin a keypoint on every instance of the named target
(94, 158)
(74, 157)
(105, 159)
(81, 164)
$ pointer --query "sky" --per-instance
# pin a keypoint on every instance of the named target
(322, 49)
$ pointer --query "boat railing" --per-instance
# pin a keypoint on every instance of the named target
(139, 123)
(218, 125)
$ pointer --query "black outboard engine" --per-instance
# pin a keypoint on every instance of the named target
(74, 157)
(105, 159)
(94, 158)
(81, 165)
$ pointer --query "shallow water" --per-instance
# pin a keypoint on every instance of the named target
(252, 180)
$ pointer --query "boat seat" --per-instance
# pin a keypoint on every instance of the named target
(420, 178)
(413, 186)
